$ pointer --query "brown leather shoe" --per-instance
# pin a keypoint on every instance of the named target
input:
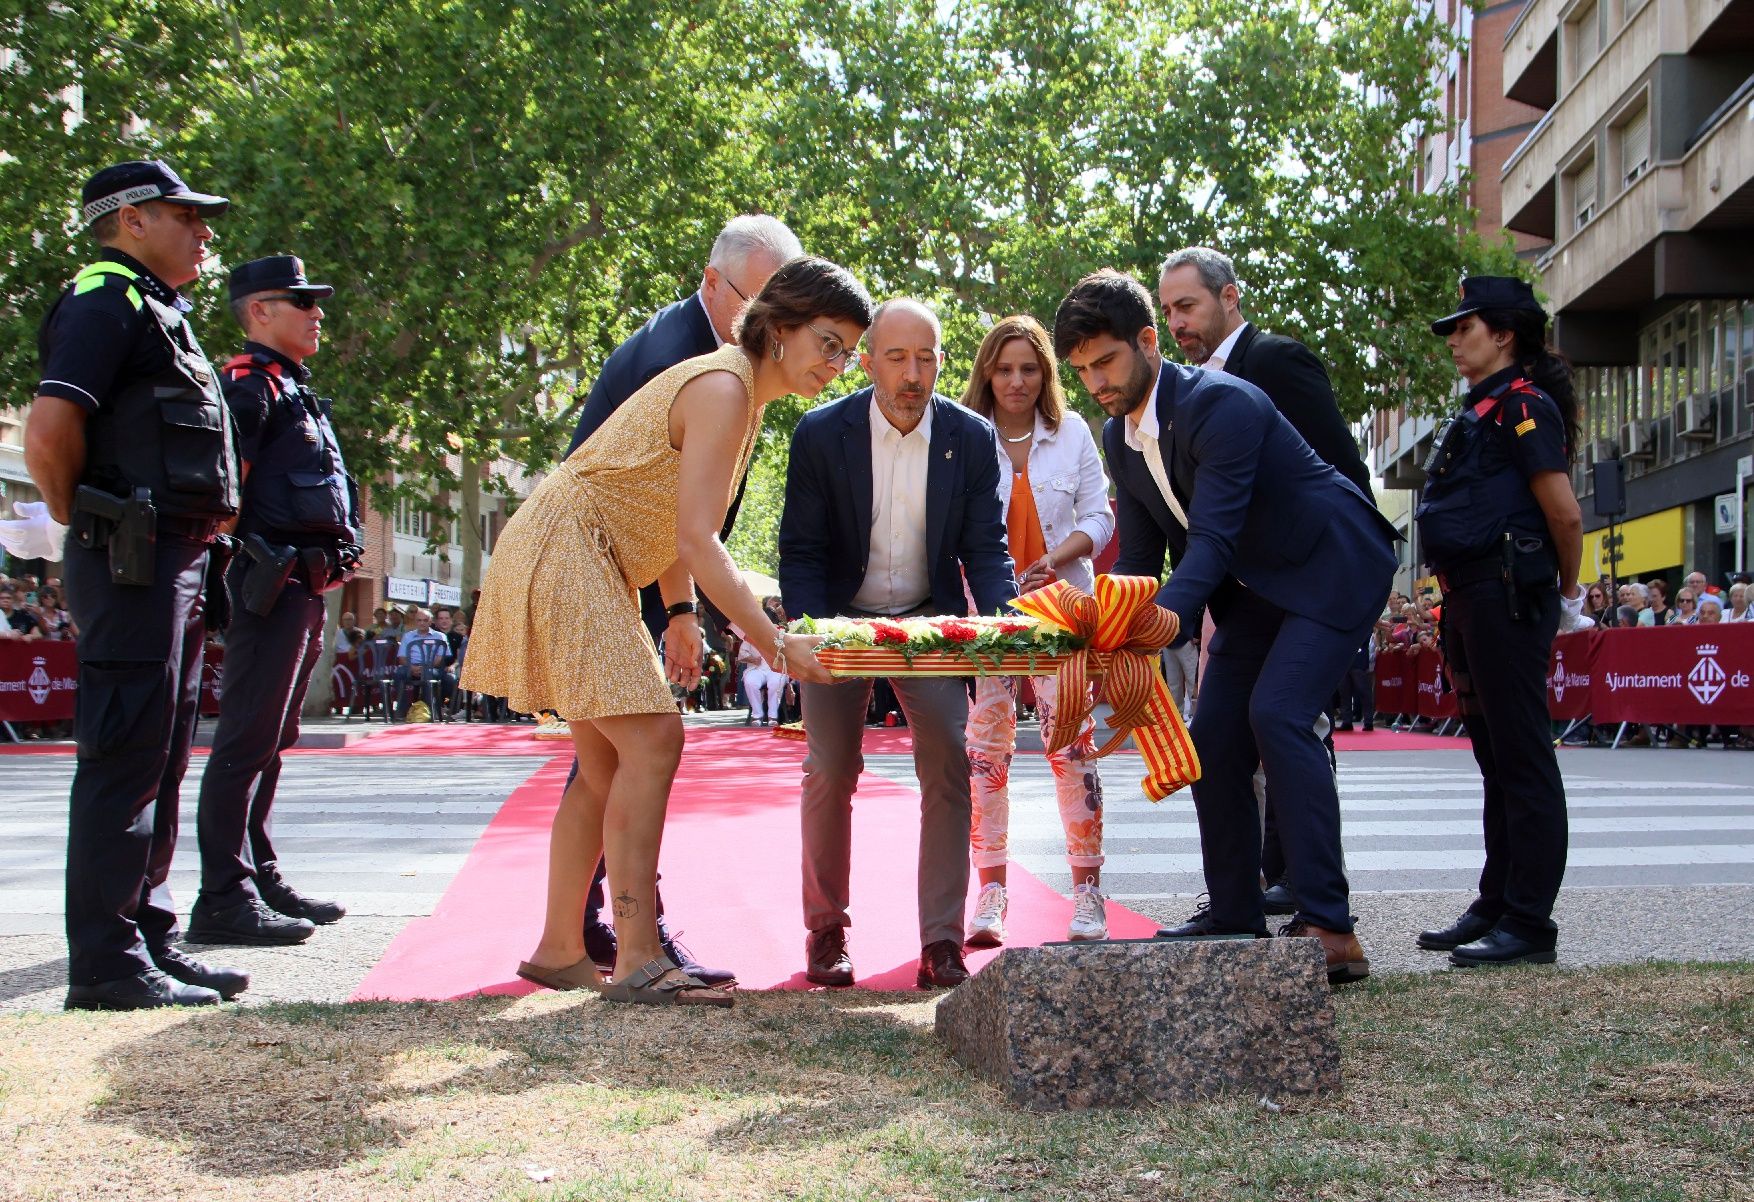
(941, 965)
(1345, 957)
(826, 951)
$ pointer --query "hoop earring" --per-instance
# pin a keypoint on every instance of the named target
(779, 352)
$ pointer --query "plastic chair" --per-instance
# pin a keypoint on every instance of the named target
(428, 655)
(377, 676)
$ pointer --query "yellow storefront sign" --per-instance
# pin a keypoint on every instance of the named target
(1646, 545)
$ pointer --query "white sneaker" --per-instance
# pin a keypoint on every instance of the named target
(1089, 914)
(987, 928)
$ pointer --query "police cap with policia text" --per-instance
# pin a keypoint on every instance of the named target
(137, 182)
(1481, 293)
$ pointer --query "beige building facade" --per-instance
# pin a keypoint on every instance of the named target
(1640, 172)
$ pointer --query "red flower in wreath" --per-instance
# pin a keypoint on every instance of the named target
(958, 632)
(885, 633)
(1014, 627)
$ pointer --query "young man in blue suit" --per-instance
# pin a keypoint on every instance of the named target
(892, 498)
(1295, 563)
(744, 257)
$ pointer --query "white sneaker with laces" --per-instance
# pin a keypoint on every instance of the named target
(987, 928)
(1089, 914)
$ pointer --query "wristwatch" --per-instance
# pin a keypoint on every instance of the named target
(680, 608)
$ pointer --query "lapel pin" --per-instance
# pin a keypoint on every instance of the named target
(949, 454)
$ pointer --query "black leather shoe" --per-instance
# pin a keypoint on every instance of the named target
(600, 945)
(289, 901)
(249, 923)
(1278, 900)
(224, 980)
(1469, 927)
(941, 965)
(826, 957)
(684, 959)
(146, 990)
(1200, 926)
(1499, 946)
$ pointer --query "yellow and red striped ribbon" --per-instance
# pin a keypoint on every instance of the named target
(1122, 620)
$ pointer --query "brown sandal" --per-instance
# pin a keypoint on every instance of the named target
(648, 986)
(582, 975)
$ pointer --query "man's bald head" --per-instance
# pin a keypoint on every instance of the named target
(903, 306)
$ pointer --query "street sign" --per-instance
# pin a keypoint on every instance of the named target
(1724, 510)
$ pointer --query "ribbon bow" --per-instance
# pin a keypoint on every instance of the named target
(1123, 621)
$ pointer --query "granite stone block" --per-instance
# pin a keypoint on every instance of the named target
(1132, 1022)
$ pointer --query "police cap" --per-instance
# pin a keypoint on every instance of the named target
(276, 273)
(1489, 292)
(136, 183)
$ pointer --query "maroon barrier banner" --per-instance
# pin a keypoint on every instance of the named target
(1432, 696)
(1395, 693)
(1683, 675)
(37, 680)
(1571, 674)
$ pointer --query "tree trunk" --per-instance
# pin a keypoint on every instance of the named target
(469, 526)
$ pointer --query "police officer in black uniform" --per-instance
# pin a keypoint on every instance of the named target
(129, 441)
(298, 530)
(1501, 526)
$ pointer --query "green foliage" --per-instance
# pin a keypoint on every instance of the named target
(503, 191)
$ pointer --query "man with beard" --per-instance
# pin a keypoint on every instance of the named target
(892, 497)
(1202, 308)
(1295, 562)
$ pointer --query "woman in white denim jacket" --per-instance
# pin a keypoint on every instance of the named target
(1055, 529)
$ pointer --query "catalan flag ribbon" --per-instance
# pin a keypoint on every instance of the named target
(1122, 620)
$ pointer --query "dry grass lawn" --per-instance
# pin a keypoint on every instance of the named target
(1629, 1083)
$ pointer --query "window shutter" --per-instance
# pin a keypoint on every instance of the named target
(1635, 146)
(1584, 192)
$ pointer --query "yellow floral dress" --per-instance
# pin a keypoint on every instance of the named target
(558, 626)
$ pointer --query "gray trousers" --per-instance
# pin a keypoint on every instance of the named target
(834, 722)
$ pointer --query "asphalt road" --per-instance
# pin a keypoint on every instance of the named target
(1662, 853)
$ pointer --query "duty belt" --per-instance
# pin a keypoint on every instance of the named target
(1472, 571)
(200, 530)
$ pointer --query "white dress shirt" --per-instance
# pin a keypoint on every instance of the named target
(897, 577)
(1221, 356)
(1142, 437)
(1070, 489)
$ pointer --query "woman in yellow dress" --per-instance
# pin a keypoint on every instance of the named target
(559, 626)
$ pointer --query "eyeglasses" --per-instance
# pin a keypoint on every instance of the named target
(833, 349)
(298, 300)
(733, 287)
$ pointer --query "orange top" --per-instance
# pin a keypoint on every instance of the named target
(1023, 524)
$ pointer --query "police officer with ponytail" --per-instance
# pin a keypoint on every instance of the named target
(129, 441)
(1500, 525)
(298, 531)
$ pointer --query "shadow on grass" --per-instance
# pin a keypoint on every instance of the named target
(1627, 1083)
(296, 1087)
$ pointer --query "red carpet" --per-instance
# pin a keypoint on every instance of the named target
(731, 854)
(453, 738)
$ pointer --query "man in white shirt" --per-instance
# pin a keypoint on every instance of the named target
(891, 498)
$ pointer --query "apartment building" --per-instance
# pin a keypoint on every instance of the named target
(1641, 174)
(1477, 130)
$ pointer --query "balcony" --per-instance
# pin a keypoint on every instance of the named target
(1531, 54)
(1720, 25)
(1680, 231)
(1528, 173)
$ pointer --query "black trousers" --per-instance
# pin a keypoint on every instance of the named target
(268, 664)
(1499, 670)
(139, 654)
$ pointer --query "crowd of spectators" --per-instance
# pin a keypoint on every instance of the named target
(34, 609)
(1413, 622)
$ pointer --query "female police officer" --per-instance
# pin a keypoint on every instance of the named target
(1501, 527)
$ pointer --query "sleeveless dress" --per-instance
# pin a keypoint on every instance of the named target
(558, 626)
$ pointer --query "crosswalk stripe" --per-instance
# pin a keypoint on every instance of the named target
(1035, 827)
(1460, 858)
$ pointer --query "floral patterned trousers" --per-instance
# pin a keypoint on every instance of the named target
(992, 741)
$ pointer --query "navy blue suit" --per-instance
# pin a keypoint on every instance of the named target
(1296, 562)
(825, 531)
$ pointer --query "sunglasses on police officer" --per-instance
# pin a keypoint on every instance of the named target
(298, 300)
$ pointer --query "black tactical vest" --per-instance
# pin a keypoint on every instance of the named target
(298, 489)
(169, 431)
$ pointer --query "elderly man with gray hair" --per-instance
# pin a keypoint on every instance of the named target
(745, 255)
